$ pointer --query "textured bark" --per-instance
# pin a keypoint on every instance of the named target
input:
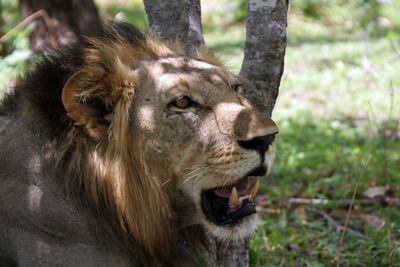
(67, 20)
(264, 50)
(176, 20)
(227, 255)
(2, 45)
(195, 29)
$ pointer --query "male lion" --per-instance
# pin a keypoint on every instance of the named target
(126, 152)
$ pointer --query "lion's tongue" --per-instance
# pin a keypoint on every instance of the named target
(242, 186)
(237, 191)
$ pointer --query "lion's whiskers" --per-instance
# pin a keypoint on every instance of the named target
(167, 181)
(196, 172)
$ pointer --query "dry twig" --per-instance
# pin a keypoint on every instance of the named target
(339, 227)
(379, 200)
(39, 14)
(352, 202)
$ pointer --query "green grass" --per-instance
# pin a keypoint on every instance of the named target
(17, 45)
(339, 104)
(322, 159)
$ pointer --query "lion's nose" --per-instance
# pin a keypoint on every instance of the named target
(255, 131)
(259, 143)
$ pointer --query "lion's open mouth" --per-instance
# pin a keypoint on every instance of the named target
(229, 204)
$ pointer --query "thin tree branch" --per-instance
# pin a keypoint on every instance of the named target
(366, 163)
(380, 200)
(354, 195)
(339, 227)
(39, 14)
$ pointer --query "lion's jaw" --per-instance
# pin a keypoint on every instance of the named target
(210, 147)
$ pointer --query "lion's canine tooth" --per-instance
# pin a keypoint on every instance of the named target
(253, 189)
(234, 199)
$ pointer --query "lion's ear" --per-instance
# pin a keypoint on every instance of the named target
(85, 105)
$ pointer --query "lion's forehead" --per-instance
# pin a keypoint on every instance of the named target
(179, 62)
(169, 72)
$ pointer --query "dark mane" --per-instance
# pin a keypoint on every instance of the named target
(37, 98)
(38, 92)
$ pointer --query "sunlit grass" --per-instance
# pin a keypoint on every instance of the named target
(339, 102)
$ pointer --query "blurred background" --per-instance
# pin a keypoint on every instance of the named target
(333, 197)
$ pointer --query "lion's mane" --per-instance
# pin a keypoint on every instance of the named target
(101, 167)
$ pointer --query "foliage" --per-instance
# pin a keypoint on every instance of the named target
(338, 105)
(322, 159)
(9, 14)
(353, 15)
(17, 46)
(131, 11)
(222, 13)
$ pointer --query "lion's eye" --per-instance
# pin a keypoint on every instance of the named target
(183, 102)
(237, 88)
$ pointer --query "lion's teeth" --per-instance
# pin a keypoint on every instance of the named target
(234, 199)
(244, 198)
(253, 189)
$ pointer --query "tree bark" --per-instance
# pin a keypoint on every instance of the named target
(176, 20)
(3, 50)
(67, 20)
(219, 254)
(262, 66)
(196, 39)
(264, 51)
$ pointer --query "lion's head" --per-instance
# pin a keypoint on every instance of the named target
(159, 140)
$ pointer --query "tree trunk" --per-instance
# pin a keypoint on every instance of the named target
(262, 66)
(3, 50)
(176, 20)
(219, 254)
(264, 51)
(196, 39)
(67, 19)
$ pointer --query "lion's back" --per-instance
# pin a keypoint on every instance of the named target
(37, 225)
(15, 152)
(17, 147)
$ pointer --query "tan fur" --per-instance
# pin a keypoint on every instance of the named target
(114, 174)
(122, 160)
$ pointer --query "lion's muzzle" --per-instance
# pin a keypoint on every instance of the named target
(259, 143)
(253, 134)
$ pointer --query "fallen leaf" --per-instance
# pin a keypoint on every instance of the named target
(375, 191)
(301, 213)
(373, 221)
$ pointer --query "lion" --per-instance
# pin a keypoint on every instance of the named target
(126, 151)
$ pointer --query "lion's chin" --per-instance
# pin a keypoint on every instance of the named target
(240, 231)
